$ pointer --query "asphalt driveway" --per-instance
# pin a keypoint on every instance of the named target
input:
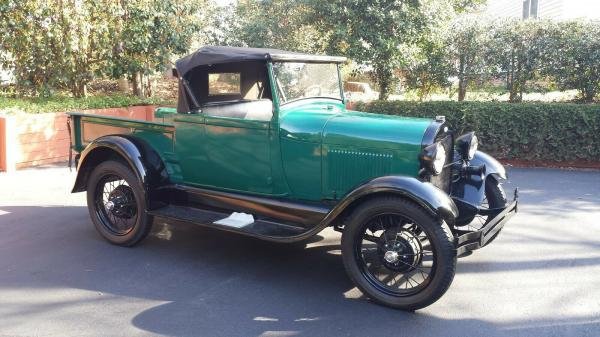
(541, 277)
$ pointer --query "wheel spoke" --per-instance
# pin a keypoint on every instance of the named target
(122, 215)
(410, 258)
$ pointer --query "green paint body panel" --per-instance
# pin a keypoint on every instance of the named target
(328, 150)
(224, 153)
(312, 149)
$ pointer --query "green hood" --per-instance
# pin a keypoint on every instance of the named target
(375, 131)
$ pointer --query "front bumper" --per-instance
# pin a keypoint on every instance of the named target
(472, 240)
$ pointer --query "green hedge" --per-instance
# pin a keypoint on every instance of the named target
(62, 103)
(525, 131)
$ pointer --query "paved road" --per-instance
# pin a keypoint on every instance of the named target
(541, 277)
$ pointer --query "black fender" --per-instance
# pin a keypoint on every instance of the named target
(143, 160)
(434, 200)
(468, 192)
(492, 166)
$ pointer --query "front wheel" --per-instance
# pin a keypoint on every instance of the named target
(398, 254)
(116, 204)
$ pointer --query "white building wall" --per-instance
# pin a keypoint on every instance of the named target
(547, 9)
(504, 8)
(550, 9)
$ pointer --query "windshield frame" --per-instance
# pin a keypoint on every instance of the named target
(277, 90)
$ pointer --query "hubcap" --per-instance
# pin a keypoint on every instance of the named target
(391, 256)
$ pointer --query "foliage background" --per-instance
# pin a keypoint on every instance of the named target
(525, 131)
(423, 45)
(416, 48)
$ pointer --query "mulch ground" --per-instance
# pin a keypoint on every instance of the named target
(582, 164)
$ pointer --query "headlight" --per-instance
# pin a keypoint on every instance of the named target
(434, 158)
(467, 145)
(473, 147)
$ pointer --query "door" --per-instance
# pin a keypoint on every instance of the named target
(219, 151)
(238, 154)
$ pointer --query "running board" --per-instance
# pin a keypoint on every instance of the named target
(307, 215)
(263, 229)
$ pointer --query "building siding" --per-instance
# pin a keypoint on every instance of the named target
(547, 9)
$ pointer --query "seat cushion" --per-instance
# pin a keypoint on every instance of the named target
(261, 110)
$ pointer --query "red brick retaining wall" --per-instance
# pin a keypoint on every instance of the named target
(28, 140)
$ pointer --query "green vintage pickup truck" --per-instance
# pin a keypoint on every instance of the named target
(261, 144)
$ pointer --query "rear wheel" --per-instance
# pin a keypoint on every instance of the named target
(398, 254)
(116, 204)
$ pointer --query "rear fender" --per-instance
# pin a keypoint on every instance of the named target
(141, 158)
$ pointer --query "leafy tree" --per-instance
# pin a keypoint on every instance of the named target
(467, 41)
(24, 42)
(383, 34)
(55, 43)
(281, 24)
(148, 33)
(515, 51)
(429, 68)
(573, 58)
(373, 33)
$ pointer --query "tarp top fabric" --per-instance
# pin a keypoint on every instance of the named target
(210, 55)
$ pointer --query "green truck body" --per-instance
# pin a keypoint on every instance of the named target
(310, 150)
(261, 144)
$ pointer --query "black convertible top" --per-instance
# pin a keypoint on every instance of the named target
(208, 55)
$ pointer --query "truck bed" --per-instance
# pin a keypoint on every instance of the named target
(86, 127)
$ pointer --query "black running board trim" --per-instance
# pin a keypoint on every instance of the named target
(262, 229)
(303, 214)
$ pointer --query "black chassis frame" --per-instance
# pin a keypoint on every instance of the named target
(301, 220)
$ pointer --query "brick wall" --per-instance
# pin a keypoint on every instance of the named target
(28, 140)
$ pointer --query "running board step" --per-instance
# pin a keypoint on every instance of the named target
(259, 228)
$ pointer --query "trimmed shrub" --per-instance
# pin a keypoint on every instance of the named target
(62, 104)
(524, 131)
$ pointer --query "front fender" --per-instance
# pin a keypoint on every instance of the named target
(492, 166)
(468, 192)
(436, 201)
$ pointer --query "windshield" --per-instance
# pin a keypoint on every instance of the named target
(304, 80)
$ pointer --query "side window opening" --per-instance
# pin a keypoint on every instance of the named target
(233, 90)
(224, 84)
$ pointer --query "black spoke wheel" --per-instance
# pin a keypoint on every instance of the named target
(398, 254)
(116, 204)
(395, 254)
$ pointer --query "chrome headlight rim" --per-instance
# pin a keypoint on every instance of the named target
(467, 145)
(473, 147)
(434, 158)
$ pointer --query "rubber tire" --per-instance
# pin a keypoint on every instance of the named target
(439, 235)
(143, 224)
(495, 193)
(496, 198)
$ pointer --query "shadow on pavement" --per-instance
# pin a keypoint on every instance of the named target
(220, 284)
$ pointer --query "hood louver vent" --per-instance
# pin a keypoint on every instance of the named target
(347, 168)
